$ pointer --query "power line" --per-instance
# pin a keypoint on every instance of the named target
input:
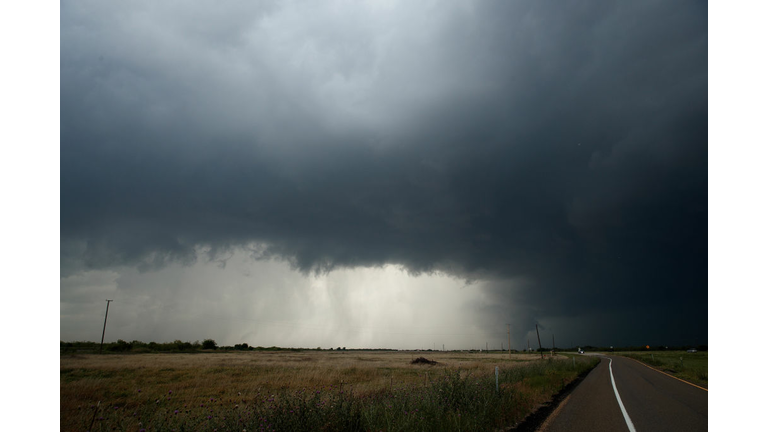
(420, 330)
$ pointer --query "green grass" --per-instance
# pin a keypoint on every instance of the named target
(691, 367)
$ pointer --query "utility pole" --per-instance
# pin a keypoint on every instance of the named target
(539, 338)
(553, 344)
(105, 327)
(509, 339)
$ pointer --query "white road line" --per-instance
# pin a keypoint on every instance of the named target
(618, 398)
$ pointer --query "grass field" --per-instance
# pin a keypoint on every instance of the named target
(691, 367)
(307, 390)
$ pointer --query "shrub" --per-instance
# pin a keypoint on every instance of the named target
(120, 346)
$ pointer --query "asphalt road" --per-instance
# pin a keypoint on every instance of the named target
(652, 401)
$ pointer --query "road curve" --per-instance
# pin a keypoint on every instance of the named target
(653, 401)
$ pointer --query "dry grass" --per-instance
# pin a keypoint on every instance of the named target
(89, 378)
(129, 381)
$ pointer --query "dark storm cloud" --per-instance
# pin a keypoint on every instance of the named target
(556, 151)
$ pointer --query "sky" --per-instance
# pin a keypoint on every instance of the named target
(385, 174)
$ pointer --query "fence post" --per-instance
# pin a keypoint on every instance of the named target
(497, 379)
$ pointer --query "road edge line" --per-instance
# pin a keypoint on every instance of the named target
(630, 425)
(671, 376)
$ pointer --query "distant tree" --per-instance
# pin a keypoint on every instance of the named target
(182, 346)
(120, 346)
(209, 344)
